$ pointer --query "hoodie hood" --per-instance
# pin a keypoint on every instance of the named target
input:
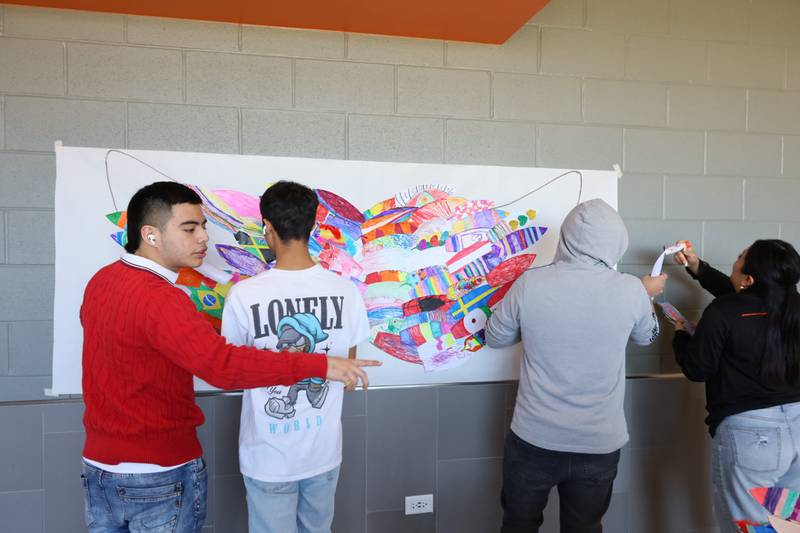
(592, 233)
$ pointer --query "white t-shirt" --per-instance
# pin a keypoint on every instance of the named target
(292, 433)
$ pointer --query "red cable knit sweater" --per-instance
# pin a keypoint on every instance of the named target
(142, 342)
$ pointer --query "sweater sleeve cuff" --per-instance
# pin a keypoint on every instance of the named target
(309, 366)
(701, 270)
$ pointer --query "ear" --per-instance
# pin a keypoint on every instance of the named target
(150, 236)
(748, 281)
(267, 227)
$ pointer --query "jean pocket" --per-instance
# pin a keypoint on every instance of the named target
(154, 509)
(157, 523)
(282, 488)
(756, 449)
(156, 494)
(87, 503)
(601, 468)
(332, 475)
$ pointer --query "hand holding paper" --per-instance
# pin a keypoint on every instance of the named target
(676, 317)
(687, 257)
(782, 505)
(669, 250)
(784, 526)
(654, 285)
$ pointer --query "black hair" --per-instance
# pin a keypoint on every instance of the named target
(152, 206)
(775, 267)
(291, 208)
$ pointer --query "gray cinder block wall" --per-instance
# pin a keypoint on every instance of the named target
(699, 100)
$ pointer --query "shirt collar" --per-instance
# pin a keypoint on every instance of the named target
(142, 263)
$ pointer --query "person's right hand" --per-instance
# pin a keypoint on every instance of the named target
(654, 286)
(688, 257)
(349, 371)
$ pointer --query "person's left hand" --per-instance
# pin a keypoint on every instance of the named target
(680, 325)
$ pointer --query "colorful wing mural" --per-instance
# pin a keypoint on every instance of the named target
(431, 265)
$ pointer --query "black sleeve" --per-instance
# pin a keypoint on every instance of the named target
(712, 280)
(699, 355)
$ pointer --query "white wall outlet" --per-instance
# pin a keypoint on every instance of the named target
(422, 503)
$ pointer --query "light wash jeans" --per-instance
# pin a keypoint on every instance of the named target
(166, 502)
(304, 506)
(756, 448)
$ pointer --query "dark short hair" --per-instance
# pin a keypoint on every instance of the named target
(291, 208)
(152, 206)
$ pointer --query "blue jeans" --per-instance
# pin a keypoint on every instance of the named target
(584, 482)
(304, 506)
(756, 448)
(166, 502)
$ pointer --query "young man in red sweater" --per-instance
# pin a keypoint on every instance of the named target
(143, 341)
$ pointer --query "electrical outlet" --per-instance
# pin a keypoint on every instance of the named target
(422, 503)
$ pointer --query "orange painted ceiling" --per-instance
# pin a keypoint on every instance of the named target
(484, 21)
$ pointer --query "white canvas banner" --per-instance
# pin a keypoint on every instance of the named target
(487, 216)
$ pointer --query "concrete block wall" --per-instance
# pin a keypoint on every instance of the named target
(698, 100)
(446, 441)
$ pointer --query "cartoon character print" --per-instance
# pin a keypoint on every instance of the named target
(300, 332)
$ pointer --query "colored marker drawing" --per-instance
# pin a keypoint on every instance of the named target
(431, 265)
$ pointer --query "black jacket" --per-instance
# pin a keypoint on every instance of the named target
(726, 352)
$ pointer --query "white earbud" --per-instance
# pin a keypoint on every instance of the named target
(151, 239)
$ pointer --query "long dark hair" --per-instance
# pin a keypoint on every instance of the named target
(775, 266)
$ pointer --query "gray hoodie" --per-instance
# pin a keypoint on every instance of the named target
(574, 318)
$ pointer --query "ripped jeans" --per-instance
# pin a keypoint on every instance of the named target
(756, 448)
